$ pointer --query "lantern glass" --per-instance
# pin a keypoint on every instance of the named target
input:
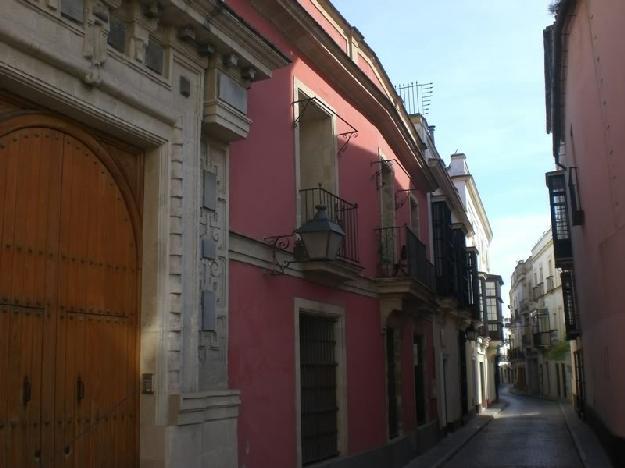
(321, 236)
(334, 244)
(316, 244)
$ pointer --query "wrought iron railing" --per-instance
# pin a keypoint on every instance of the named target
(538, 291)
(340, 211)
(402, 254)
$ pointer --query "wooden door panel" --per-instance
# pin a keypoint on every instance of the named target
(69, 261)
(97, 298)
(30, 163)
(23, 387)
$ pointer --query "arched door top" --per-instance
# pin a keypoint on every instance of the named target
(15, 121)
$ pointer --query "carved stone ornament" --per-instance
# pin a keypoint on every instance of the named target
(95, 42)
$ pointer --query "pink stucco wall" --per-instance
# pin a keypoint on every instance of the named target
(263, 198)
(595, 142)
(262, 365)
(261, 308)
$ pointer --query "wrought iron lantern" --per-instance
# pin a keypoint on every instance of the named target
(321, 236)
(470, 333)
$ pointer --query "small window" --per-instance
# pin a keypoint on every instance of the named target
(73, 10)
(154, 56)
(117, 34)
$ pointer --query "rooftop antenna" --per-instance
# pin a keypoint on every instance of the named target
(417, 97)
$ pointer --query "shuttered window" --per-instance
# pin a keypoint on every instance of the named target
(318, 371)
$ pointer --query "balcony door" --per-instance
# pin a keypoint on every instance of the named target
(317, 148)
(68, 301)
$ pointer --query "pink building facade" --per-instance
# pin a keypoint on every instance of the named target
(297, 286)
(585, 110)
(332, 359)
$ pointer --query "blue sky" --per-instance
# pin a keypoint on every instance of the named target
(485, 58)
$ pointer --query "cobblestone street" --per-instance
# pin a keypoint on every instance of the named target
(529, 433)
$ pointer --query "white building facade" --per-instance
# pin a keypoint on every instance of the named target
(482, 356)
(540, 353)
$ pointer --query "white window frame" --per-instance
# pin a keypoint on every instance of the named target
(299, 87)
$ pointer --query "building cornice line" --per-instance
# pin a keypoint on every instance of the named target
(327, 56)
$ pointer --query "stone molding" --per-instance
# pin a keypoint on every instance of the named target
(257, 253)
(196, 408)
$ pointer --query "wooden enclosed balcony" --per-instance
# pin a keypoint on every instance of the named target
(560, 226)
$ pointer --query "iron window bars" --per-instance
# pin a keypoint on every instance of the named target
(319, 406)
(571, 316)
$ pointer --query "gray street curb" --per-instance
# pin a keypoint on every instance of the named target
(589, 449)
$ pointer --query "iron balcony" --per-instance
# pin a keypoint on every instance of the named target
(338, 210)
(402, 255)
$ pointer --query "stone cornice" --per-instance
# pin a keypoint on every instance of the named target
(301, 30)
(223, 24)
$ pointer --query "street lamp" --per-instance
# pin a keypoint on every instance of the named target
(321, 236)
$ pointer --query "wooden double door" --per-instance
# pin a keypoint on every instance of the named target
(68, 302)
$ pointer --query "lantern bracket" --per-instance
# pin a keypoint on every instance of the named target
(281, 243)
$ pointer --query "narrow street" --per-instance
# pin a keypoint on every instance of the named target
(529, 433)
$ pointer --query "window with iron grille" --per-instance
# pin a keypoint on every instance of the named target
(474, 281)
(318, 374)
(570, 309)
(461, 274)
(443, 247)
(391, 384)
